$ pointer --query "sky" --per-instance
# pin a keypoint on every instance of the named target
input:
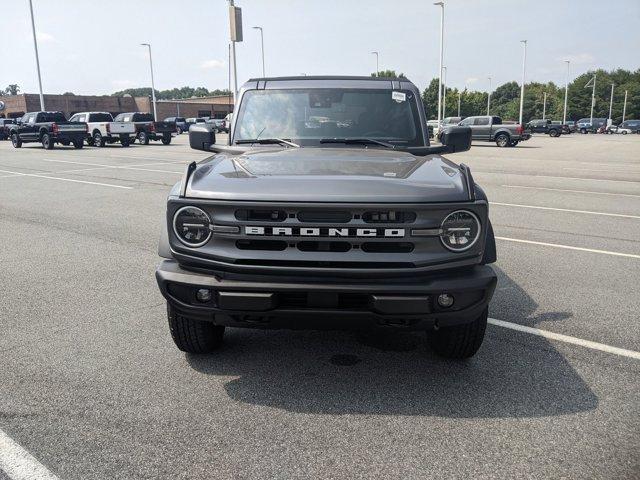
(93, 47)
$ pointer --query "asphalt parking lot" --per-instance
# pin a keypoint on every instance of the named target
(92, 387)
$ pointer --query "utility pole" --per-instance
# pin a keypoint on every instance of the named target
(611, 104)
(593, 98)
(459, 97)
(441, 5)
(444, 93)
(153, 87)
(524, 63)
(544, 105)
(624, 108)
(566, 94)
(377, 54)
(35, 46)
(235, 34)
(489, 97)
(264, 75)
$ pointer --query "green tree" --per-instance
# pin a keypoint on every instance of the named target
(12, 89)
(388, 73)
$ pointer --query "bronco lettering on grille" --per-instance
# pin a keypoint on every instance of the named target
(323, 232)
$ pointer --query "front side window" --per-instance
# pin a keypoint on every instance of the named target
(306, 116)
(467, 122)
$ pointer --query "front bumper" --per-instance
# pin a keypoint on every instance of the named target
(305, 302)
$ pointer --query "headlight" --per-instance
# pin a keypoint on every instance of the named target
(460, 230)
(192, 226)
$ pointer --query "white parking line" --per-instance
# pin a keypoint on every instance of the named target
(598, 170)
(19, 464)
(19, 174)
(590, 192)
(553, 176)
(119, 167)
(568, 247)
(566, 338)
(565, 210)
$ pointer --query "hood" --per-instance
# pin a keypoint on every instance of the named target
(367, 175)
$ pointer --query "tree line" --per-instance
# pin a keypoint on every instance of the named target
(173, 93)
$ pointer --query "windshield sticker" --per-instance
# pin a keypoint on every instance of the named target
(399, 96)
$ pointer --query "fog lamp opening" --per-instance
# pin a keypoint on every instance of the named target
(445, 300)
(204, 295)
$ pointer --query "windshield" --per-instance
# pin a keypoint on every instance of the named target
(305, 116)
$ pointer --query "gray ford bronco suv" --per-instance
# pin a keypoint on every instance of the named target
(328, 209)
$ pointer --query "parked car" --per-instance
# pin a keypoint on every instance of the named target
(570, 126)
(491, 129)
(101, 129)
(47, 128)
(194, 120)
(220, 124)
(452, 120)
(432, 126)
(544, 126)
(5, 125)
(146, 129)
(633, 125)
(618, 129)
(367, 226)
(564, 127)
(584, 125)
(181, 124)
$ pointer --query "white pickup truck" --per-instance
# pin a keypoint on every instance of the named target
(101, 129)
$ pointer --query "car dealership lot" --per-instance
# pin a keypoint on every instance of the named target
(93, 387)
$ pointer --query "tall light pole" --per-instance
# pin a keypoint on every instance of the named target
(264, 75)
(235, 35)
(611, 104)
(444, 92)
(489, 97)
(544, 105)
(624, 108)
(524, 63)
(377, 54)
(441, 5)
(593, 98)
(566, 94)
(35, 46)
(459, 98)
(153, 87)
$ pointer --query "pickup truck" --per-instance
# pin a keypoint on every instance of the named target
(147, 129)
(47, 128)
(491, 129)
(584, 125)
(5, 126)
(350, 223)
(545, 126)
(181, 124)
(101, 129)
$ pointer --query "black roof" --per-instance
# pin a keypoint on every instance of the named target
(330, 77)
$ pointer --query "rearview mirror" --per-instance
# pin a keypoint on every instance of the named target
(202, 136)
(456, 139)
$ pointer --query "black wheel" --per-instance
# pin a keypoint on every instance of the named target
(15, 140)
(97, 139)
(47, 143)
(143, 138)
(194, 336)
(513, 143)
(125, 141)
(178, 130)
(166, 139)
(78, 144)
(583, 131)
(459, 341)
(502, 140)
(90, 141)
(554, 133)
(624, 132)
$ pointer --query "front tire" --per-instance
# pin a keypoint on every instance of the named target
(15, 140)
(459, 341)
(193, 336)
(502, 140)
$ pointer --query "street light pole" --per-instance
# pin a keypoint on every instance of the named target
(233, 50)
(459, 97)
(153, 87)
(524, 63)
(444, 93)
(593, 99)
(264, 75)
(35, 46)
(377, 62)
(624, 108)
(489, 97)
(566, 94)
(441, 5)
(544, 105)
(611, 103)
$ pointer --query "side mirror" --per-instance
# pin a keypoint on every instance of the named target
(456, 139)
(202, 136)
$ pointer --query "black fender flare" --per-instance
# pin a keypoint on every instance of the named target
(489, 255)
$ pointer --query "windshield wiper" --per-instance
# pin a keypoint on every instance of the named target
(363, 141)
(280, 141)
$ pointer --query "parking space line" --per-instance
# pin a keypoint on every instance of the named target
(557, 177)
(568, 247)
(18, 174)
(566, 338)
(599, 170)
(19, 464)
(119, 167)
(590, 192)
(565, 210)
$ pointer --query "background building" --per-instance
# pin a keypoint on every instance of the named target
(216, 107)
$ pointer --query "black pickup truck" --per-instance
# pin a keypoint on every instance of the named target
(47, 128)
(545, 126)
(5, 127)
(351, 222)
(147, 129)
